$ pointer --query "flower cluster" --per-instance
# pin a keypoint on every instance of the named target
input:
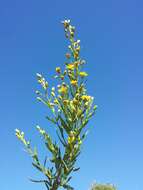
(72, 108)
(20, 136)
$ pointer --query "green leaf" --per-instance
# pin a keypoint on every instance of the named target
(51, 120)
(84, 135)
(76, 169)
(38, 181)
(63, 143)
(64, 125)
(45, 161)
(68, 187)
(37, 167)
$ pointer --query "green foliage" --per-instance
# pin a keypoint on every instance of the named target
(71, 109)
(103, 187)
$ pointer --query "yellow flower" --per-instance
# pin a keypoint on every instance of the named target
(76, 63)
(63, 89)
(58, 69)
(56, 101)
(78, 48)
(75, 102)
(66, 23)
(83, 74)
(65, 102)
(86, 98)
(53, 94)
(74, 82)
(76, 54)
(70, 66)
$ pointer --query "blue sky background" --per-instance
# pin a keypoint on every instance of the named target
(32, 40)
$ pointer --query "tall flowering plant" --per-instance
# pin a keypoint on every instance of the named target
(71, 109)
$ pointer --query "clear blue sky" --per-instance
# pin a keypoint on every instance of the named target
(32, 40)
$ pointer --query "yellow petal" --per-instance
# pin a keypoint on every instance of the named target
(83, 74)
(74, 82)
(70, 66)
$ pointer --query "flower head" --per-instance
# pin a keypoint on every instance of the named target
(65, 102)
(66, 23)
(83, 74)
(74, 82)
(20, 136)
(86, 98)
(42, 81)
(58, 69)
(63, 89)
(70, 66)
